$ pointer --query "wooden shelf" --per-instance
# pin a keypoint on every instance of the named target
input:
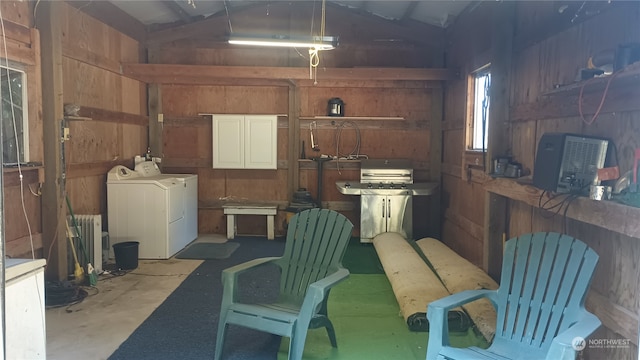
(351, 118)
(308, 164)
(220, 203)
(211, 114)
(77, 118)
(31, 175)
(606, 214)
(86, 113)
(625, 77)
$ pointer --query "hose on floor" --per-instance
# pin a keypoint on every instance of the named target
(63, 293)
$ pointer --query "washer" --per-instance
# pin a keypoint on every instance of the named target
(160, 211)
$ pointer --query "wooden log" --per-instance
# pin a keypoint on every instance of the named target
(458, 275)
(413, 283)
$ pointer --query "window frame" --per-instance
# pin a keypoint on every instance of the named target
(471, 120)
(23, 141)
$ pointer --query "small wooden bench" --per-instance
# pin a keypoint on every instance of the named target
(233, 209)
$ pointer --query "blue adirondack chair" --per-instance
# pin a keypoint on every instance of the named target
(539, 304)
(310, 266)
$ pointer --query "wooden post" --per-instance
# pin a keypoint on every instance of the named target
(293, 170)
(154, 94)
(495, 222)
(49, 22)
(435, 158)
(154, 110)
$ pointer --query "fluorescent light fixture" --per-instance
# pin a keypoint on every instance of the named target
(317, 42)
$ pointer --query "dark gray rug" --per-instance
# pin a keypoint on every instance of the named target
(208, 251)
(184, 326)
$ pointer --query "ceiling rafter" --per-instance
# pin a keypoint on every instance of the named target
(110, 14)
(409, 11)
(177, 10)
(211, 25)
(410, 30)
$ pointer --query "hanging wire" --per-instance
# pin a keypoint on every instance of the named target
(15, 134)
(604, 96)
(322, 20)
(485, 115)
(354, 154)
(313, 18)
(565, 219)
(314, 53)
(314, 61)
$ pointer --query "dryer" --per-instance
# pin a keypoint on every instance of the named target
(160, 211)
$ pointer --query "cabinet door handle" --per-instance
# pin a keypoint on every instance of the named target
(389, 209)
(383, 209)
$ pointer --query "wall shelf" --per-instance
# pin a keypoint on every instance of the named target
(342, 164)
(351, 118)
(625, 77)
(32, 174)
(77, 118)
(606, 214)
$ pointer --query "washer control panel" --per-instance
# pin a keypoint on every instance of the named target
(147, 168)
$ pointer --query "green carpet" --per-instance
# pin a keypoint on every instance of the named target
(368, 324)
(361, 258)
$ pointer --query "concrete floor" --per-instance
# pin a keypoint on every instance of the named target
(95, 328)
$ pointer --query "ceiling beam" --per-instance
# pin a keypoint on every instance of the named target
(573, 14)
(409, 11)
(410, 30)
(177, 10)
(216, 25)
(113, 16)
(200, 74)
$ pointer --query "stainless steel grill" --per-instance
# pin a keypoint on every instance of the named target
(386, 189)
(397, 171)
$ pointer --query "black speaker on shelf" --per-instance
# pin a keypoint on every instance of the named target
(548, 161)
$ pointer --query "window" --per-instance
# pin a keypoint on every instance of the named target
(478, 114)
(13, 95)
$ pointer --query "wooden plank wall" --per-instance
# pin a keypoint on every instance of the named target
(112, 127)
(463, 196)
(187, 144)
(187, 136)
(407, 137)
(549, 50)
(23, 48)
(557, 60)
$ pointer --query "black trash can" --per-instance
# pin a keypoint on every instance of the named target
(126, 254)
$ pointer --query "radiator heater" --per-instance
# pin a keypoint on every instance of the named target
(89, 232)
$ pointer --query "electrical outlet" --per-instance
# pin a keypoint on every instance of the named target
(160, 118)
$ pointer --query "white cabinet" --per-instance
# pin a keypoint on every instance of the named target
(245, 141)
(25, 323)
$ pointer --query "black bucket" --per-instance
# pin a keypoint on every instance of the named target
(126, 255)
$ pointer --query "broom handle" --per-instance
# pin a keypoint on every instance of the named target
(73, 248)
(75, 226)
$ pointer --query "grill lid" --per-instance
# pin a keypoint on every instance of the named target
(397, 171)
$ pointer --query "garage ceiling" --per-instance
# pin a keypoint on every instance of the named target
(157, 12)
